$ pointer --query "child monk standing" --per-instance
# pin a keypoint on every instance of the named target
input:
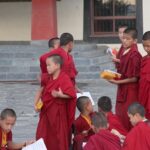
(57, 91)
(130, 70)
(144, 91)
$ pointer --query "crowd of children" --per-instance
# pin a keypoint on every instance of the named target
(126, 129)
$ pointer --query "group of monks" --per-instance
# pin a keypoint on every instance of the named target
(58, 91)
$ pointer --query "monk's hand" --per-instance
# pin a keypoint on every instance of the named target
(36, 109)
(114, 81)
(115, 60)
(58, 93)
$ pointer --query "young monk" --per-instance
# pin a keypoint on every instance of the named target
(82, 125)
(53, 43)
(105, 106)
(144, 89)
(103, 139)
(116, 59)
(7, 121)
(57, 91)
(138, 137)
(129, 69)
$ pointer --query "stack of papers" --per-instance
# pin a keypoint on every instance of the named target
(38, 145)
(112, 52)
(86, 94)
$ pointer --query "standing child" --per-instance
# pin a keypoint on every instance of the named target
(103, 139)
(53, 43)
(57, 91)
(105, 106)
(82, 125)
(138, 137)
(129, 69)
(144, 90)
(116, 59)
(7, 121)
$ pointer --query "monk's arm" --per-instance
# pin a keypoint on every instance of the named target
(124, 81)
(60, 94)
(38, 95)
(13, 145)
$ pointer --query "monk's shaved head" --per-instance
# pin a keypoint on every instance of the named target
(57, 59)
(8, 112)
(136, 108)
(99, 120)
(81, 102)
(104, 103)
(146, 36)
(132, 32)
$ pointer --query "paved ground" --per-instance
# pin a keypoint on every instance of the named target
(20, 96)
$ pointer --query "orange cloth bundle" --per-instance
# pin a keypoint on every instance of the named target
(108, 75)
(39, 105)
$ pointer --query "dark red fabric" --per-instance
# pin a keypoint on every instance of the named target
(43, 65)
(138, 138)
(54, 120)
(104, 140)
(80, 125)
(118, 56)
(70, 69)
(68, 63)
(144, 89)
(115, 123)
(128, 93)
(9, 138)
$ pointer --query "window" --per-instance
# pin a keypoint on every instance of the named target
(108, 15)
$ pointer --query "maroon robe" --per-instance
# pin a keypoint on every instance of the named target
(115, 123)
(43, 65)
(70, 69)
(54, 121)
(104, 140)
(80, 125)
(8, 138)
(138, 138)
(128, 93)
(144, 89)
(118, 56)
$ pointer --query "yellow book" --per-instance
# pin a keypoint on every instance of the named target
(39, 105)
(108, 75)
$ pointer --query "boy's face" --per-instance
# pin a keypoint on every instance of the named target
(7, 123)
(128, 41)
(56, 44)
(146, 45)
(133, 119)
(70, 45)
(89, 107)
(51, 66)
(120, 33)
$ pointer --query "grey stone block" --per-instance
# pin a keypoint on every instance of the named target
(34, 69)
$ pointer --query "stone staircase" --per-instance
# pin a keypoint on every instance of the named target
(20, 62)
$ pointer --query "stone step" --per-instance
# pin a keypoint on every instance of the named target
(21, 62)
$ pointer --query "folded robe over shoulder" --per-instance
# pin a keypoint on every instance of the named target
(144, 83)
(104, 140)
(128, 93)
(53, 123)
(115, 123)
(138, 138)
(80, 125)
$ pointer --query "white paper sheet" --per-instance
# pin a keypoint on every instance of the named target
(38, 145)
(86, 94)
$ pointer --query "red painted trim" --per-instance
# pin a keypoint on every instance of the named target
(44, 19)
